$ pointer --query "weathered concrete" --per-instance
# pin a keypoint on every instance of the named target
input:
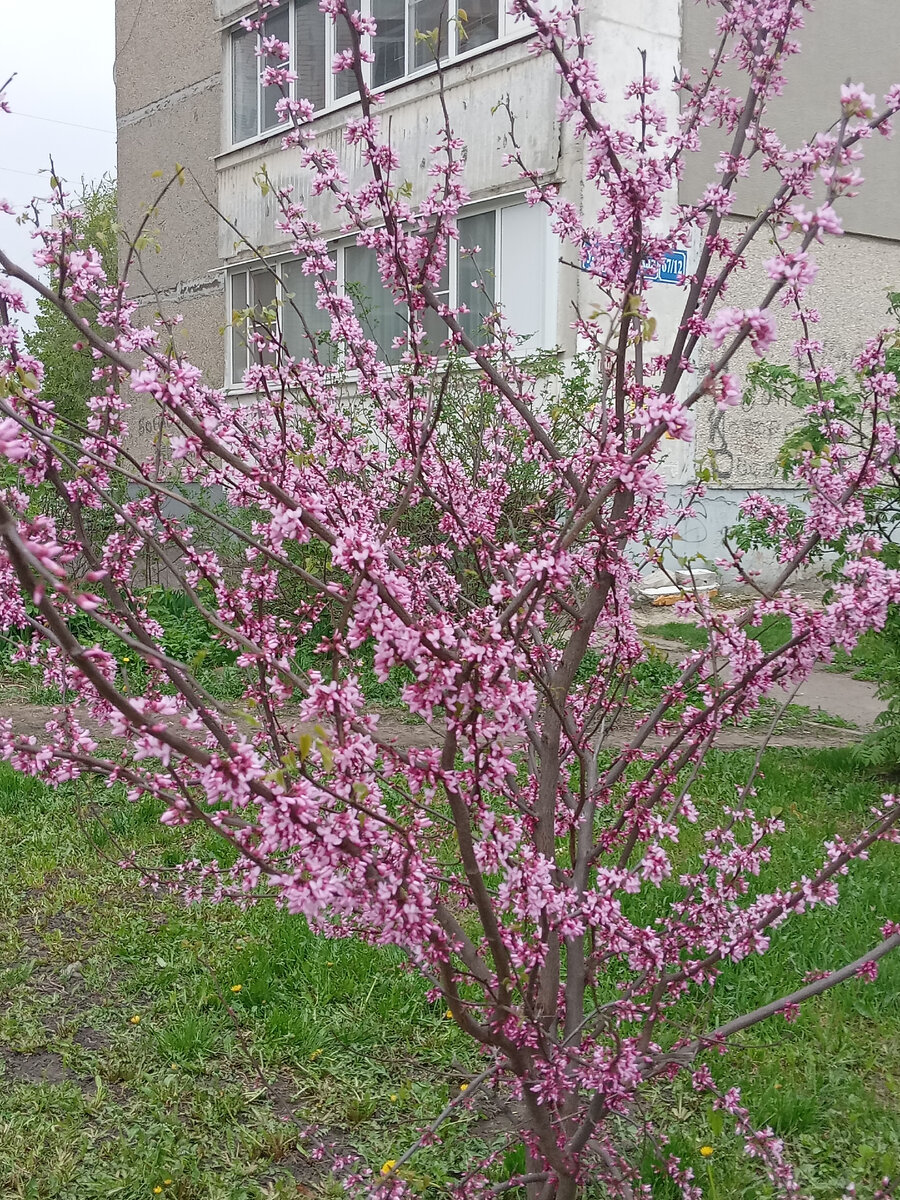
(168, 104)
(161, 48)
(855, 275)
(413, 116)
(170, 101)
(831, 693)
(842, 40)
(837, 695)
(185, 224)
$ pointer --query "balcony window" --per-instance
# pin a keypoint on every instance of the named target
(503, 255)
(411, 34)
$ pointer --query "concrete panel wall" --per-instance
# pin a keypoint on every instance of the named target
(413, 116)
(718, 513)
(199, 338)
(184, 224)
(850, 292)
(168, 103)
(162, 46)
(855, 39)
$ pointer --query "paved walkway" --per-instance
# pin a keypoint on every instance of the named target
(834, 693)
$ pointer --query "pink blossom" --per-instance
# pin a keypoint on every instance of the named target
(856, 102)
(757, 325)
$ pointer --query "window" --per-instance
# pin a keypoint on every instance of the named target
(256, 290)
(504, 255)
(410, 34)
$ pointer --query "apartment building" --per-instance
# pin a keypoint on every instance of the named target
(188, 91)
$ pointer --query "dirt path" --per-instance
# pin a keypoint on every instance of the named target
(839, 695)
(832, 693)
(28, 720)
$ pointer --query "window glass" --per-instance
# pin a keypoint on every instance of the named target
(381, 319)
(410, 34)
(478, 24)
(389, 43)
(476, 273)
(238, 328)
(262, 295)
(525, 281)
(277, 25)
(345, 81)
(244, 86)
(263, 287)
(503, 257)
(435, 328)
(310, 53)
(300, 301)
(428, 32)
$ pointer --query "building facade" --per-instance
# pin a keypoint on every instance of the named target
(188, 91)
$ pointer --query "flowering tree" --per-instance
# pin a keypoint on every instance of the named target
(505, 857)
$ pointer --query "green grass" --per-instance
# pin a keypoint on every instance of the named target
(830, 1082)
(249, 1026)
(189, 640)
(864, 663)
(773, 632)
(209, 1087)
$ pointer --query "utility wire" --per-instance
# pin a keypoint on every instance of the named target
(16, 171)
(53, 121)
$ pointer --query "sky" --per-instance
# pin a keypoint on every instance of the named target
(62, 100)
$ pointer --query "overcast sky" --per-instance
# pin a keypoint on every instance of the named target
(62, 100)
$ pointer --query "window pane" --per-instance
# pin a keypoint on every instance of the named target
(238, 328)
(381, 319)
(345, 82)
(300, 294)
(278, 25)
(310, 53)
(428, 31)
(436, 330)
(262, 284)
(389, 42)
(262, 295)
(244, 86)
(527, 284)
(480, 25)
(476, 276)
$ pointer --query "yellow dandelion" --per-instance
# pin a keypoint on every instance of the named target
(315, 1054)
(387, 1167)
(448, 1015)
(329, 964)
(463, 1087)
(706, 1151)
(237, 987)
(394, 1097)
(174, 1066)
(157, 1190)
(127, 659)
(135, 1020)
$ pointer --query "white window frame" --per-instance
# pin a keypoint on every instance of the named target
(545, 335)
(509, 29)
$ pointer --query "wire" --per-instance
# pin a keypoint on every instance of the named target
(70, 124)
(15, 171)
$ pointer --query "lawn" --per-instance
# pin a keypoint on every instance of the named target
(866, 661)
(150, 1049)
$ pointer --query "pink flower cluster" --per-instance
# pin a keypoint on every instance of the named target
(477, 522)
